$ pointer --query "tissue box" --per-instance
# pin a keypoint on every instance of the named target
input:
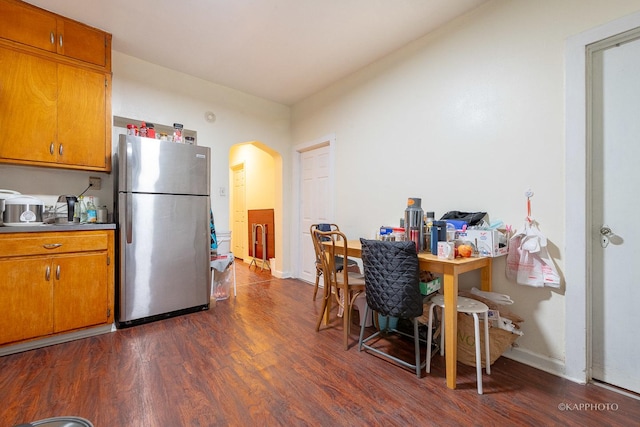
(490, 243)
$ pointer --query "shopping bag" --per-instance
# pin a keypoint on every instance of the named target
(528, 261)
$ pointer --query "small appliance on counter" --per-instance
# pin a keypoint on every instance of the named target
(5, 194)
(21, 210)
(66, 210)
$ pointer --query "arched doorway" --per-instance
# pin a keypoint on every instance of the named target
(255, 174)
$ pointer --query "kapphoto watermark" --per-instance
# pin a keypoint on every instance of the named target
(587, 406)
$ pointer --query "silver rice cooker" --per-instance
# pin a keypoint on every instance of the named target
(5, 194)
(22, 210)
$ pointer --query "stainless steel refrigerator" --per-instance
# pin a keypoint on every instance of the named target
(164, 236)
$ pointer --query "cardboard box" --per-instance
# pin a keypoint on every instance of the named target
(427, 288)
(490, 243)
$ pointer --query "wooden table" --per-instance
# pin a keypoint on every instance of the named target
(450, 269)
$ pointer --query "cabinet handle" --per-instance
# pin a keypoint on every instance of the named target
(58, 272)
(47, 274)
(53, 38)
(60, 150)
(60, 38)
(51, 148)
(51, 245)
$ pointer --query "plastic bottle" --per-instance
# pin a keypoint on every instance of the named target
(177, 133)
(151, 130)
(81, 210)
(143, 129)
(429, 218)
(91, 211)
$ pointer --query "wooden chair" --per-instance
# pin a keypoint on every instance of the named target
(392, 285)
(338, 261)
(345, 285)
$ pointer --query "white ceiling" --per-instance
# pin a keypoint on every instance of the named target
(281, 50)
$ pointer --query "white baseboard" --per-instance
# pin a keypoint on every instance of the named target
(546, 364)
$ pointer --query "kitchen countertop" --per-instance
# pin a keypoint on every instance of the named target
(53, 227)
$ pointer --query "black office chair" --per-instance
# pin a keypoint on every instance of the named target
(392, 288)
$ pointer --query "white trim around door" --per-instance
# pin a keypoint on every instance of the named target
(578, 224)
(327, 140)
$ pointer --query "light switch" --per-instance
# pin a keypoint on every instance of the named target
(223, 192)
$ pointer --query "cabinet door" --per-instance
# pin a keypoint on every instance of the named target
(80, 290)
(81, 42)
(82, 117)
(28, 25)
(28, 97)
(26, 309)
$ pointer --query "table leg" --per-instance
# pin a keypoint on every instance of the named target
(451, 324)
(485, 278)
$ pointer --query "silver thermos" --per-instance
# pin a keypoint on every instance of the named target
(413, 222)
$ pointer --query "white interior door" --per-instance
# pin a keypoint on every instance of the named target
(315, 203)
(239, 231)
(615, 155)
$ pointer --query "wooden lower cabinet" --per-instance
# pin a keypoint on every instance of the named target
(26, 299)
(65, 284)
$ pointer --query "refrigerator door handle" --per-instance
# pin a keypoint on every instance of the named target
(127, 167)
(128, 213)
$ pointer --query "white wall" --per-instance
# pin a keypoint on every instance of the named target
(467, 118)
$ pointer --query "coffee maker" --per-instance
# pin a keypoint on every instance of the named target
(66, 209)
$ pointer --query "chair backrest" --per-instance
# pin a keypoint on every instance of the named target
(316, 241)
(327, 242)
(392, 278)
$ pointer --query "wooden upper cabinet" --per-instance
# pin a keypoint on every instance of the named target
(28, 25)
(55, 90)
(84, 43)
(38, 28)
(53, 114)
(28, 107)
(82, 95)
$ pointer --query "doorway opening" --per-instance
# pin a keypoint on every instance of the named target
(255, 174)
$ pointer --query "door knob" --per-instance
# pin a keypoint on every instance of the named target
(605, 233)
(605, 230)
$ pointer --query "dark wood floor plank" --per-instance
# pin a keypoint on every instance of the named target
(257, 360)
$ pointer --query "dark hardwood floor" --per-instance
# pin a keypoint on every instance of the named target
(257, 360)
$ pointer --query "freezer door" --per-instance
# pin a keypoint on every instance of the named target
(147, 165)
(164, 254)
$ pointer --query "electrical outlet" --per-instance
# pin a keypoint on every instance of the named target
(95, 182)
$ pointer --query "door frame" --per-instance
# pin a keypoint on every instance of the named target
(578, 225)
(330, 140)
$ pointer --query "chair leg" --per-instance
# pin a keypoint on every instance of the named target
(366, 313)
(324, 310)
(476, 329)
(429, 337)
(442, 334)
(487, 343)
(315, 289)
(416, 343)
(346, 318)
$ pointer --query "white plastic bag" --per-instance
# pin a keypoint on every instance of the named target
(528, 261)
